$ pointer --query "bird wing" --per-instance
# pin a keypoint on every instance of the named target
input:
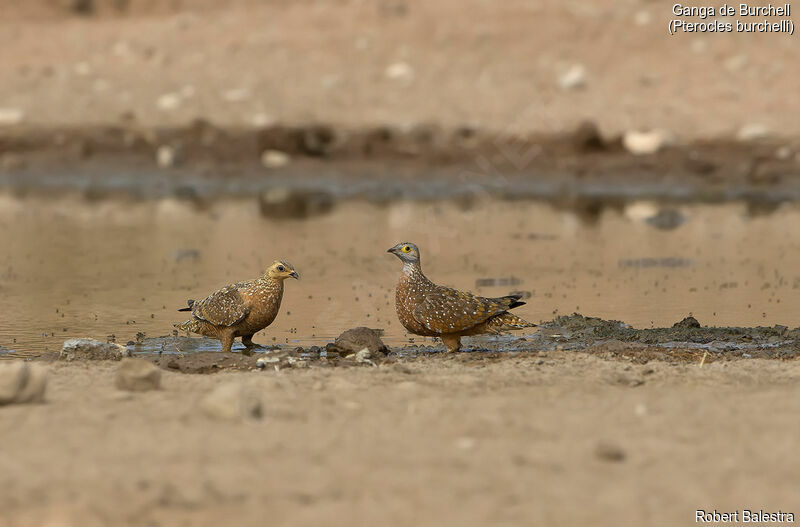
(225, 307)
(447, 310)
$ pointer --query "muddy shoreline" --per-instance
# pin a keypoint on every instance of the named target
(203, 162)
(686, 342)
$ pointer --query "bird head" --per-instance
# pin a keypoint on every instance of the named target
(281, 270)
(407, 252)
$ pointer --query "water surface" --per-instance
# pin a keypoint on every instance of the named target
(73, 268)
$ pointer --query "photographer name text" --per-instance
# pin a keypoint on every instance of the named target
(744, 516)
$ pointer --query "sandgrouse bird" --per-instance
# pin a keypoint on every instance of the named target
(431, 310)
(241, 309)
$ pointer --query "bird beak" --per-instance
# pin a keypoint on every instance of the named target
(392, 250)
(294, 275)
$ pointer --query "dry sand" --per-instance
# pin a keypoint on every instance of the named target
(561, 439)
(493, 65)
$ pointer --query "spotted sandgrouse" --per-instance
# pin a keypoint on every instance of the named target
(241, 309)
(431, 310)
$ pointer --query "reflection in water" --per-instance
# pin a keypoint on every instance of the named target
(74, 269)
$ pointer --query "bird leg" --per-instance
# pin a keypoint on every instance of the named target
(227, 341)
(453, 342)
(247, 340)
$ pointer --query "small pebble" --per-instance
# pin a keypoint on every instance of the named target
(137, 375)
(645, 143)
(274, 159)
(574, 78)
(609, 452)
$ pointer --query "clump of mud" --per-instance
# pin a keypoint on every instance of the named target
(684, 341)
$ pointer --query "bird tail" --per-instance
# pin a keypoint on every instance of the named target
(190, 325)
(512, 301)
(191, 306)
(505, 321)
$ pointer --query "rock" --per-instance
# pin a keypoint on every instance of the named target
(465, 443)
(262, 120)
(609, 452)
(11, 116)
(752, 132)
(233, 401)
(264, 362)
(393, 8)
(180, 255)
(354, 341)
(274, 158)
(169, 101)
(166, 156)
(319, 140)
(137, 375)
(736, 63)
(574, 78)
(697, 163)
(784, 153)
(399, 71)
(364, 356)
(688, 322)
(82, 7)
(92, 349)
(22, 382)
(295, 362)
(288, 203)
(641, 210)
(587, 138)
(666, 219)
(645, 143)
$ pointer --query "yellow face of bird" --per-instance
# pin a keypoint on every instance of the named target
(281, 270)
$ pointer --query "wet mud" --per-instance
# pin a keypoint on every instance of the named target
(686, 341)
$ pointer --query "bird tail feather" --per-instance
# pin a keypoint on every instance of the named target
(190, 325)
(191, 306)
(512, 301)
(505, 321)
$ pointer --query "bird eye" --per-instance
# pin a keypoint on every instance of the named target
(406, 249)
(281, 268)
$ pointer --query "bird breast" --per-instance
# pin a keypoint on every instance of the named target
(264, 300)
(411, 291)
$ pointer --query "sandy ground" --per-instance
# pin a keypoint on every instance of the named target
(393, 62)
(558, 439)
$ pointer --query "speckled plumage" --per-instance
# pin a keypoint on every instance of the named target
(241, 309)
(427, 309)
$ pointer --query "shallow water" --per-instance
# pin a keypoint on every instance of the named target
(72, 268)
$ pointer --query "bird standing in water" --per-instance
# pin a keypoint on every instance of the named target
(241, 309)
(431, 310)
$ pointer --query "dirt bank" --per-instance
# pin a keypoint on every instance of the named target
(581, 169)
